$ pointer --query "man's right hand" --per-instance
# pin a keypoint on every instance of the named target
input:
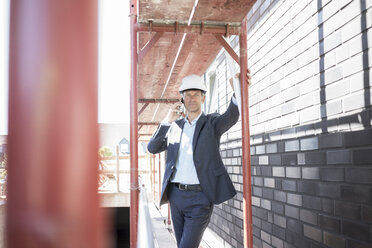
(171, 116)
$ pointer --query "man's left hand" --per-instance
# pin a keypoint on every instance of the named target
(237, 75)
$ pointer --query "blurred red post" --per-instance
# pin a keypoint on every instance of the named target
(53, 130)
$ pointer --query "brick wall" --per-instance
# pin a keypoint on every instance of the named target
(310, 125)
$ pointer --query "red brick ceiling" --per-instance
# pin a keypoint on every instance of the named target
(196, 55)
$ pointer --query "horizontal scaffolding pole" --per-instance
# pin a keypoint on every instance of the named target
(148, 123)
(159, 100)
(191, 29)
(120, 157)
(113, 172)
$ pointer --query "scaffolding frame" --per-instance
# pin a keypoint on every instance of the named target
(138, 54)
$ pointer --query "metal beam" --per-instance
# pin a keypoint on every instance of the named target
(159, 182)
(134, 187)
(143, 108)
(246, 157)
(154, 173)
(120, 157)
(189, 29)
(228, 48)
(145, 134)
(151, 170)
(148, 46)
(159, 100)
(148, 123)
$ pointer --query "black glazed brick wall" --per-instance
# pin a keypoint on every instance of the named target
(303, 200)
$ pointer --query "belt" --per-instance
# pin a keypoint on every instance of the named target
(188, 187)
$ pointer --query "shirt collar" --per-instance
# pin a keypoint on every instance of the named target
(193, 121)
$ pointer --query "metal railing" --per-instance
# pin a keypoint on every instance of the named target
(114, 174)
(144, 233)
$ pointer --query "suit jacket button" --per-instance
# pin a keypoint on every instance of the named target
(172, 167)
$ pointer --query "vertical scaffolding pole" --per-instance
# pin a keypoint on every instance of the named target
(134, 189)
(53, 130)
(246, 158)
(154, 179)
(150, 172)
(159, 178)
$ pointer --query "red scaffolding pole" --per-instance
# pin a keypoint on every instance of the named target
(153, 174)
(150, 172)
(134, 189)
(159, 174)
(246, 156)
(53, 130)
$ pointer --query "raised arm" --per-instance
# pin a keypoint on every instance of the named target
(228, 119)
(158, 141)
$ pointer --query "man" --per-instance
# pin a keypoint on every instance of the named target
(195, 177)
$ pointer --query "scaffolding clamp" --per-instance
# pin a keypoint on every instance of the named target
(176, 27)
(150, 26)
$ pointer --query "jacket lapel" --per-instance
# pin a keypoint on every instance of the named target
(199, 124)
(180, 123)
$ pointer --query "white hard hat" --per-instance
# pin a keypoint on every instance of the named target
(192, 82)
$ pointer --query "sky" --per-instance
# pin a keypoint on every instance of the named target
(4, 44)
(113, 62)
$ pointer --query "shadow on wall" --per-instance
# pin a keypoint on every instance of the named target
(367, 93)
(364, 41)
(361, 120)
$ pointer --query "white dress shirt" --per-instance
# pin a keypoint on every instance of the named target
(185, 167)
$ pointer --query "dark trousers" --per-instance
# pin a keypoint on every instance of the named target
(191, 212)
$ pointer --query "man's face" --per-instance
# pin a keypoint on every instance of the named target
(193, 99)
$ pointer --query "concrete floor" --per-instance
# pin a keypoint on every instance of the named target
(162, 235)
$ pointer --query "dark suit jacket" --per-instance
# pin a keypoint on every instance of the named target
(214, 180)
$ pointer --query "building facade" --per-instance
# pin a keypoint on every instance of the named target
(310, 126)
